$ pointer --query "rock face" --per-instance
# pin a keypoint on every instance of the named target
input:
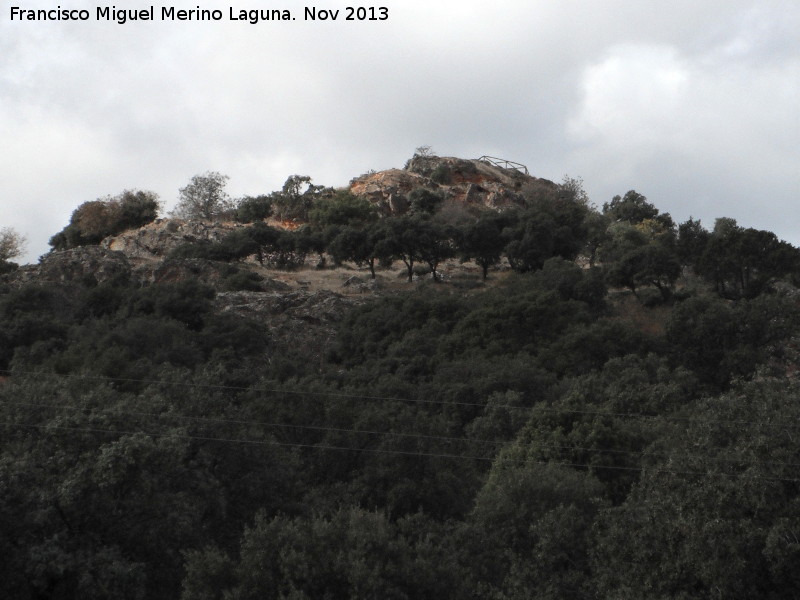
(297, 320)
(155, 240)
(86, 264)
(476, 184)
(386, 188)
(322, 307)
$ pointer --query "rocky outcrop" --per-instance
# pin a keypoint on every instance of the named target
(297, 321)
(388, 189)
(155, 240)
(173, 270)
(311, 307)
(91, 265)
(85, 264)
(476, 184)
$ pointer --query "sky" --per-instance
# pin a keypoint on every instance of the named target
(695, 104)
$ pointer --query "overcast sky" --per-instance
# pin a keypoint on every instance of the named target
(695, 104)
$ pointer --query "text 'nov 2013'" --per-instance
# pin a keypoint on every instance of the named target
(112, 14)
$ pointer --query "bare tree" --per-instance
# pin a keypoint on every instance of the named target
(12, 244)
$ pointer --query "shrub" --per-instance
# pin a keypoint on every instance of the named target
(245, 281)
(442, 175)
(95, 220)
(252, 209)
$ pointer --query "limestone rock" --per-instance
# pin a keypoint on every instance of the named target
(389, 189)
(476, 184)
(155, 240)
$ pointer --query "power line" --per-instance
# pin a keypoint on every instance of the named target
(500, 460)
(264, 423)
(330, 394)
(639, 454)
(216, 420)
(245, 441)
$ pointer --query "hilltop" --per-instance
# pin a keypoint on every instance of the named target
(466, 187)
(475, 184)
(301, 258)
(450, 380)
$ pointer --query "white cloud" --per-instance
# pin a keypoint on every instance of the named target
(706, 133)
(633, 98)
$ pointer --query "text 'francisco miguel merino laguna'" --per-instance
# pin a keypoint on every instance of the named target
(170, 13)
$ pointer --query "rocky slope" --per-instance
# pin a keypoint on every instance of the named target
(155, 240)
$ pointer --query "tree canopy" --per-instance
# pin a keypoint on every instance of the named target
(12, 245)
(95, 220)
(204, 197)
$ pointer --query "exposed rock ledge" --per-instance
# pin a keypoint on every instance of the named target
(473, 183)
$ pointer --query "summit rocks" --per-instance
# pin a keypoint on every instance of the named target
(476, 184)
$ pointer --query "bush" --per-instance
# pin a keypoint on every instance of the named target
(253, 209)
(95, 220)
(425, 201)
(7, 267)
(342, 210)
(245, 281)
(189, 302)
(442, 175)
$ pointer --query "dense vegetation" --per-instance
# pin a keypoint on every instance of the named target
(97, 219)
(540, 438)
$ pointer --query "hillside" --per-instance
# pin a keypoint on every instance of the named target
(451, 380)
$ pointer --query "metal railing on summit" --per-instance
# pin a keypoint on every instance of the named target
(505, 164)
